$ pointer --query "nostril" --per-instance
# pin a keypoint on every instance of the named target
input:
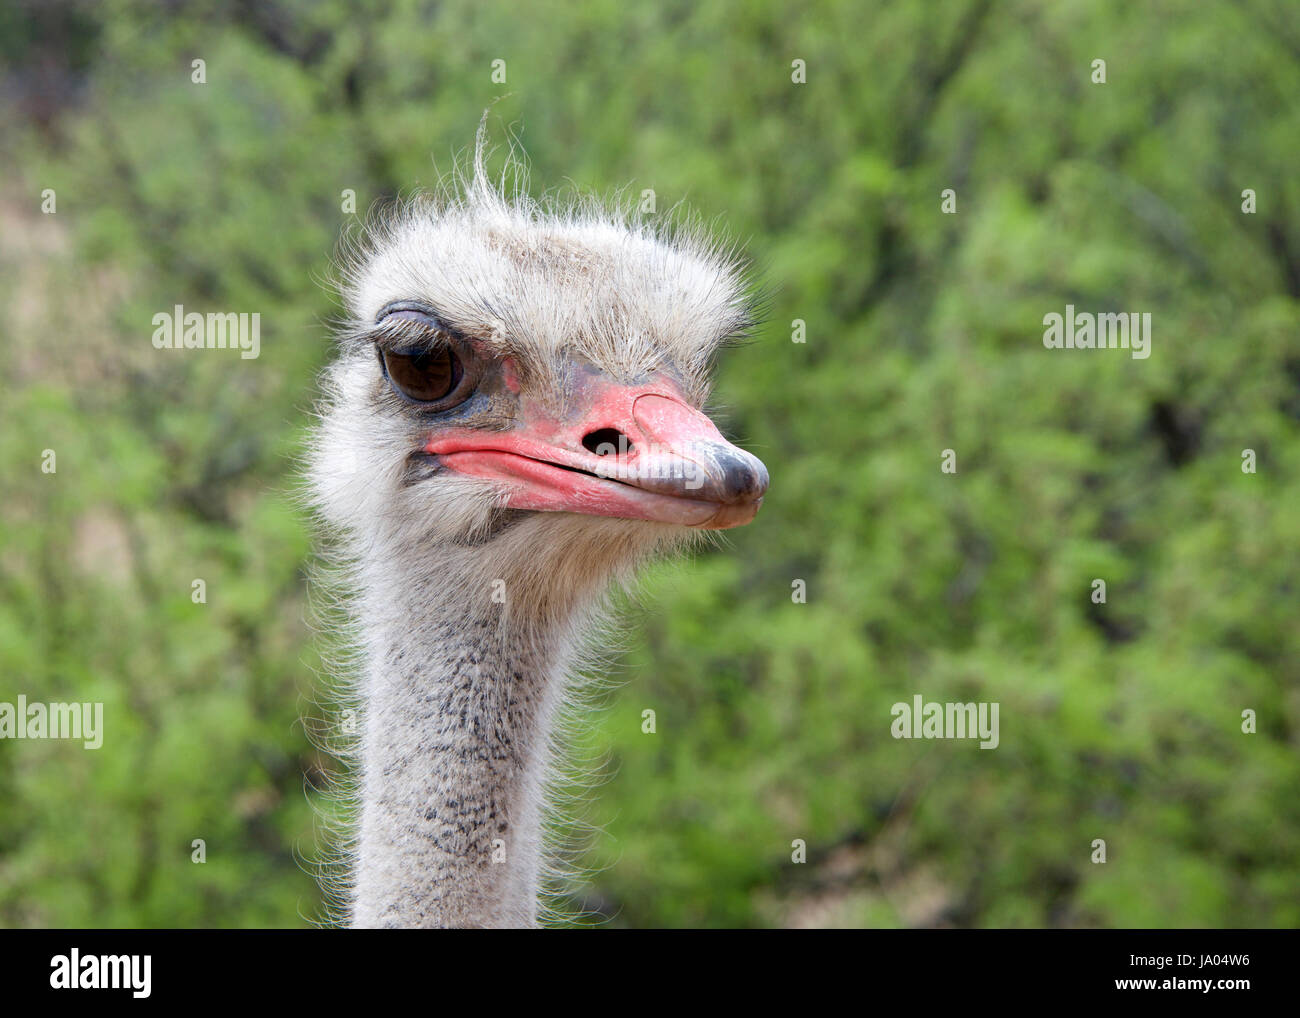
(606, 441)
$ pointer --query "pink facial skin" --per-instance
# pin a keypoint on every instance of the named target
(678, 469)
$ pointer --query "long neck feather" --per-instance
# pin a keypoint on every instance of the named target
(458, 703)
(467, 649)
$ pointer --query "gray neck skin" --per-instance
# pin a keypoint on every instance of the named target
(457, 706)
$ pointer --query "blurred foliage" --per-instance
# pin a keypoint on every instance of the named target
(1118, 721)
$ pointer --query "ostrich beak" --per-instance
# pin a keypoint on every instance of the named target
(636, 452)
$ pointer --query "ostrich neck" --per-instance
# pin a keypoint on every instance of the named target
(457, 703)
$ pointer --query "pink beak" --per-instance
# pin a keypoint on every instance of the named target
(636, 452)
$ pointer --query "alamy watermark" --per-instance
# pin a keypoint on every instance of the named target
(651, 462)
(1107, 331)
(921, 720)
(75, 971)
(23, 720)
(189, 330)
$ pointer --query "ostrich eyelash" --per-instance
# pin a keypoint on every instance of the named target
(409, 336)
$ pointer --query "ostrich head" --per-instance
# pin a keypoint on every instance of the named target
(528, 380)
(514, 421)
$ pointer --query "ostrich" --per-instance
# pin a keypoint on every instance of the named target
(511, 428)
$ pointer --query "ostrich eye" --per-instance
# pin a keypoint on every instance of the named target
(424, 377)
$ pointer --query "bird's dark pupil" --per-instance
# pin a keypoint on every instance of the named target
(425, 376)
